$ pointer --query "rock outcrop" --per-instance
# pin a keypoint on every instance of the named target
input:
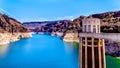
(112, 48)
(11, 30)
(6, 38)
(110, 21)
(73, 29)
(71, 37)
(49, 26)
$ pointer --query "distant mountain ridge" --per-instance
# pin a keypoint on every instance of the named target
(48, 26)
(107, 15)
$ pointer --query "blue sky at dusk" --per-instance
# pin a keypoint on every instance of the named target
(37, 10)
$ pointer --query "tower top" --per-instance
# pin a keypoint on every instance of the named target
(91, 25)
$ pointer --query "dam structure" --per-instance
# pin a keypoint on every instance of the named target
(92, 50)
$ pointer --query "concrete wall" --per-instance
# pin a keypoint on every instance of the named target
(108, 36)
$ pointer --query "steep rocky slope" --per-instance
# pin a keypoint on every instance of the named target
(8, 24)
(110, 21)
(34, 26)
(71, 34)
(11, 30)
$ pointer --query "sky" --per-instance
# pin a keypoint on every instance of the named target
(43, 10)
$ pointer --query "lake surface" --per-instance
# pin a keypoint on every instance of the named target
(40, 51)
(43, 51)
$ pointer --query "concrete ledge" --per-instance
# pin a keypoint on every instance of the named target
(108, 36)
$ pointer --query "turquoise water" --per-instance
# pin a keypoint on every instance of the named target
(112, 62)
(43, 51)
(40, 51)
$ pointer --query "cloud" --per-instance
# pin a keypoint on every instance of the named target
(47, 19)
(66, 17)
(53, 19)
(38, 19)
(43, 19)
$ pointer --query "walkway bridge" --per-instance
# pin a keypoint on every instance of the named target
(107, 36)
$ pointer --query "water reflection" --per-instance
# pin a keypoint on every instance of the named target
(3, 50)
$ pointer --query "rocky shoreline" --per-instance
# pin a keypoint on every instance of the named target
(6, 38)
(12, 30)
(71, 37)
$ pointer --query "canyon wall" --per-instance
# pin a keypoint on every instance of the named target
(12, 30)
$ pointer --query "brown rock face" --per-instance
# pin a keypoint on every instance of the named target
(76, 25)
(110, 22)
(10, 25)
(48, 26)
(107, 15)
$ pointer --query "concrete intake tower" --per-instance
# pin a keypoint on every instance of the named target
(92, 50)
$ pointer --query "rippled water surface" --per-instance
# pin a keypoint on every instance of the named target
(40, 51)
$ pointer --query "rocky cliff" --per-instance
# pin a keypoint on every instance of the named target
(73, 29)
(8, 24)
(110, 22)
(11, 30)
(36, 26)
(112, 48)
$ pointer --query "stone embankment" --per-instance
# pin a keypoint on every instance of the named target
(71, 37)
(6, 38)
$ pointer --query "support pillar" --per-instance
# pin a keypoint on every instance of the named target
(93, 57)
(80, 52)
(92, 53)
(103, 48)
(99, 52)
(86, 65)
